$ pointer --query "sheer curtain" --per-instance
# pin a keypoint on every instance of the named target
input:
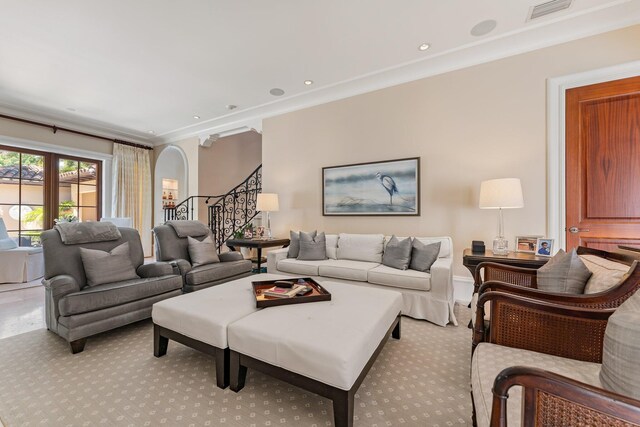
(132, 189)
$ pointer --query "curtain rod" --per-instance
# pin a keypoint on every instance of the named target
(55, 129)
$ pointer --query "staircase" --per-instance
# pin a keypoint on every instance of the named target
(226, 213)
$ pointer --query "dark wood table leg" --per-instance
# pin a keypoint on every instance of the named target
(343, 408)
(259, 259)
(237, 372)
(396, 331)
(222, 367)
(160, 343)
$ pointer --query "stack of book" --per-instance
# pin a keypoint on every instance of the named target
(283, 292)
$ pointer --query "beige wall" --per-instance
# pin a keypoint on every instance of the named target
(483, 122)
(227, 163)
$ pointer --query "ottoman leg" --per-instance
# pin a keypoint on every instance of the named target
(343, 408)
(237, 372)
(222, 367)
(160, 343)
(396, 331)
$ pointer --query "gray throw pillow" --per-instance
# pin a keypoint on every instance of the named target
(620, 371)
(423, 256)
(313, 246)
(202, 252)
(108, 267)
(564, 273)
(397, 254)
(294, 243)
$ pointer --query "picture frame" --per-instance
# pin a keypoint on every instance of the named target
(383, 188)
(544, 247)
(260, 232)
(248, 233)
(526, 244)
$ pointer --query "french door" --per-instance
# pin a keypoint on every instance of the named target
(36, 188)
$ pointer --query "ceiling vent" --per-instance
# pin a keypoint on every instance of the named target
(548, 8)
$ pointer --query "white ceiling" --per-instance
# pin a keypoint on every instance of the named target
(127, 67)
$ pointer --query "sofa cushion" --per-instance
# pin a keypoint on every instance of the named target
(346, 269)
(332, 246)
(202, 252)
(606, 273)
(216, 271)
(361, 247)
(296, 266)
(313, 247)
(107, 267)
(397, 253)
(564, 273)
(92, 298)
(424, 255)
(621, 353)
(445, 244)
(407, 279)
(490, 359)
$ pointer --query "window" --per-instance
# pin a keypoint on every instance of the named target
(38, 187)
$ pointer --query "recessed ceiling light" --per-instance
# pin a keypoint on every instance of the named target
(424, 46)
(150, 131)
(308, 82)
(196, 117)
(484, 27)
(276, 91)
(231, 107)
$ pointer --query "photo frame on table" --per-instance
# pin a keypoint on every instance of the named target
(544, 246)
(259, 232)
(526, 244)
(384, 188)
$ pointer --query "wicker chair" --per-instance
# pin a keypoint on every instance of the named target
(566, 331)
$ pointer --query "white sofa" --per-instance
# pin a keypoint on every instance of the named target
(357, 259)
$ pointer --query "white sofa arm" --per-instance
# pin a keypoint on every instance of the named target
(273, 257)
(442, 279)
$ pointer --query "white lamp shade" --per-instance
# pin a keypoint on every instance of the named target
(503, 193)
(267, 202)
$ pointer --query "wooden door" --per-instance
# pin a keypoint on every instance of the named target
(603, 165)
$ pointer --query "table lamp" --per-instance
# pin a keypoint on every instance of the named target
(501, 194)
(267, 202)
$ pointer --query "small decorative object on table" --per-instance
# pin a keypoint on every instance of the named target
(526, 244)
(259, 232)
(248, 233)
(544, 247)
(270, 293)
(477, 247)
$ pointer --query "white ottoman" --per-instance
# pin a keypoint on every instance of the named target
(200, 319)
(324, 347)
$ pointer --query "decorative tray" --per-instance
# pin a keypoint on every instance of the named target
(318, 293)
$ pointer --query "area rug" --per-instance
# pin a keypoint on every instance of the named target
(419, 380)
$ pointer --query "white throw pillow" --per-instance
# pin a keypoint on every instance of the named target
(332, 246)
(361, 247)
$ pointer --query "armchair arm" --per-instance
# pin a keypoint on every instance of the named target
(273, 257)
(155, 269)
(486, 271)
(556, 329)
(442, 279)
(230, 256)
(181, 266)
(558, 399)
(56, 288)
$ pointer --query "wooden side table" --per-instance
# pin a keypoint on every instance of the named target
(515, 259)
(258, 245)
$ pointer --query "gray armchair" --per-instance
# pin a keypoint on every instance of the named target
(76, 311)
(172, 248)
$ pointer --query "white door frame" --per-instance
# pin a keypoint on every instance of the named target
(556, 184)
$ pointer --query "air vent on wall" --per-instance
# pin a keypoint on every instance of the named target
(548, 8)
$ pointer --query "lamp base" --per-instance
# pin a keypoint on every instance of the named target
(500, 246)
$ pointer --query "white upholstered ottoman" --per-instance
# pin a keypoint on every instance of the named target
(324, 347)
(200, 319)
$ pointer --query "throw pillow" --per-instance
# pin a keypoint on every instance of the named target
(202, 252)
(313, 246)
(294, 243)
(397, 254)
(108, 267)
(620, 371)
(423, 256)
(564, 273)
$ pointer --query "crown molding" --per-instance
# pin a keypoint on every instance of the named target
(534, 36)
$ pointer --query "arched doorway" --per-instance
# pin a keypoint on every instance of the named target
(171, 180)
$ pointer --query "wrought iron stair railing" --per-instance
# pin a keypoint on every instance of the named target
(226, 213)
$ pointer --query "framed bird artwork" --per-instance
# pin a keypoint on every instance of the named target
(390, 187)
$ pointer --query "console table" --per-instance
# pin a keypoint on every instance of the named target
(258, 245)
(516, 259)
